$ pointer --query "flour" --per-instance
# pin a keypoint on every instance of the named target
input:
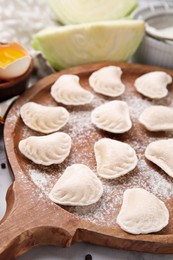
(84, 135)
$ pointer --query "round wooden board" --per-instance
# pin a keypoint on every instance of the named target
(32, 219)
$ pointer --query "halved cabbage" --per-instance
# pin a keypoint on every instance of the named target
(82, 11)
(72, 45)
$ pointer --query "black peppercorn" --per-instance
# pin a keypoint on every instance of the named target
(3, 165)
(88, 257)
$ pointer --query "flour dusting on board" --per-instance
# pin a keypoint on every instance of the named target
(146, 175)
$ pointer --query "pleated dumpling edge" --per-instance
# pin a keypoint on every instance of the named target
(77, 186)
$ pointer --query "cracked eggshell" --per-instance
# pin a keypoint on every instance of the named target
(17, 65)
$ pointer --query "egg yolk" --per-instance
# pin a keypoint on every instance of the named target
(9, 55)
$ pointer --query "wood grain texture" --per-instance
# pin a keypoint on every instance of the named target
(33, 220)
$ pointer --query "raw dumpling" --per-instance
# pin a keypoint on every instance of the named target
(142, 212)
(46, 150)
(153, 84)
(107, 81)
(114, 158)
(78, 186)
(157, 118)
(112, 116)
(68, 91)
(44, 119)
(160, 152)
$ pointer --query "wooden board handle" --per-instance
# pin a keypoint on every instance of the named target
(25, 225)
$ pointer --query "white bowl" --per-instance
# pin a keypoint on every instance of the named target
(155, 49)
(154, 52)
(160, 25)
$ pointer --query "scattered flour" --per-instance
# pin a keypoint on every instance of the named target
(84, 135)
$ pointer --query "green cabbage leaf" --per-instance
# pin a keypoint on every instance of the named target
(72, 45)
(83, 11)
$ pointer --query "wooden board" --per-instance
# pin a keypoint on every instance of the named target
(32, 219)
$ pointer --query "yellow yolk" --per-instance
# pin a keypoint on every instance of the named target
(9, 55)
(14, 60)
